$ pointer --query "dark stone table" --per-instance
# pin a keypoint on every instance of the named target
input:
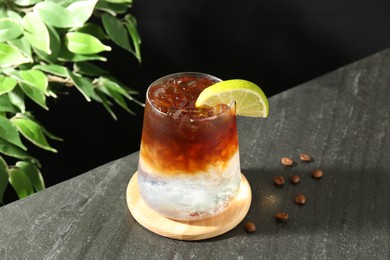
(342, 119)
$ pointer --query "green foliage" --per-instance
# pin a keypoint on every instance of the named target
(47, 46)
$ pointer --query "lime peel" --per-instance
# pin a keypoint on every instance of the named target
(250, 99)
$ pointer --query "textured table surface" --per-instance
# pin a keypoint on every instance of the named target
(342, 119)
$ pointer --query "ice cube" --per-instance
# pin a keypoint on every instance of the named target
(180, 100)
(176, 113)
(158, 92)
(205, 112)
(220, 108)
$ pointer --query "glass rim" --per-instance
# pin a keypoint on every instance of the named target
(176, 75)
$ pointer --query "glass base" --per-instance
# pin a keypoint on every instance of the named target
(189, 230)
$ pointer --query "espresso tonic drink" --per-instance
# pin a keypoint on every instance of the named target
(189, 166)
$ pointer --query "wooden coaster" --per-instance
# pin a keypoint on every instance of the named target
(189, 230)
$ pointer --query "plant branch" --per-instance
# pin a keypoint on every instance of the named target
(65, 81)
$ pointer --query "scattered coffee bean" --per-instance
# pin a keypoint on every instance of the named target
(281, 216)
(286, 161)
(279, 180)
(317, 174)
(250, 227)
(295, 179)
(305, 157)
(300, 199)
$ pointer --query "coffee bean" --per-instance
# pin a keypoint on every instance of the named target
(295, 179)
(286, 161)
(305, 157)
(317, 174)
(300, 199)
(250, 227)
(279, 180)
(281, 216)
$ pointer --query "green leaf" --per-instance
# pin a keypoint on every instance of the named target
(55, 42)
(34, 84)
(23, 45)
(66, 55)
(82, 43)
(128, 90)
(84, 86)
(34, 78)
(116, 85)
(55, 47)
(10, 72)
(54, 69)
(6, 105)
(132, 28)
(81, 11)
(113, 90)
(116, 30)
(51, 135)
(106, 104)
(44, 130)
(9, 29)
(36, 94)
(14, 15)
(36, 32)
(20, 182)
(94, 30)
(33, 174)
(32, 132)
(9, 133)
(62, 2)
(111, 8)
(10, 56)
(3, 178)
(55, 15)
(6, 84)
(88, 68)
(16, 97)
(113, 86)
(120, 1)
(119, 99)
(26, 2)
(13, 151)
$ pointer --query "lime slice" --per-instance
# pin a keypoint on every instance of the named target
(250, 99)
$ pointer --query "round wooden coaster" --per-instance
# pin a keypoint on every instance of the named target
(189, 230)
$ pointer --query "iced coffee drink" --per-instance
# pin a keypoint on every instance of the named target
(189, 166)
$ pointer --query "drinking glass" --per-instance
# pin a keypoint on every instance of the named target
(189, 167)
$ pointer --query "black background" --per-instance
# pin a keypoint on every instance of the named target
(277, 44)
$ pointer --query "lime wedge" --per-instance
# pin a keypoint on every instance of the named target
(250, 99)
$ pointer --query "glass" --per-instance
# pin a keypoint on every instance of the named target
(189, 167)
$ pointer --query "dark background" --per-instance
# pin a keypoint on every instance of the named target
(277, 44)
